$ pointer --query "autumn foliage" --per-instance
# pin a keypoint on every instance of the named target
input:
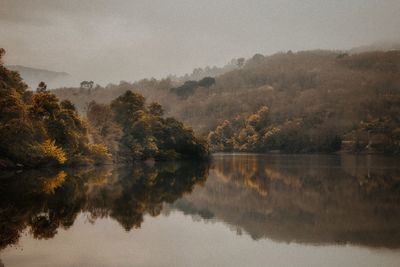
(37, 129)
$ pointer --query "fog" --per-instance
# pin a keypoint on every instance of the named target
(109, 41)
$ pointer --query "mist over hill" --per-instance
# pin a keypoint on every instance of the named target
(33, 76)
(307, 101)
(279, 120)
(378, 46)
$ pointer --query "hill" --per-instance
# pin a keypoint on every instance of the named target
(309, 101)
(37, 130)
(33, 76)
(379, 46)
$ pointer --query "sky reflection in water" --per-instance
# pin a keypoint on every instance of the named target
(243, 210)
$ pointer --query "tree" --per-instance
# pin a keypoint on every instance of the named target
(67, 104)
(257, 59)
(87, 85)
(2, 53)
(206, 82)
(222, 139)
(17, 134)
(104, 129)
(37, 129)
(156, 109)
(146, 134)
(186, 90)
(42, 87)
(240, 62)
(126, 106)
(45, 106)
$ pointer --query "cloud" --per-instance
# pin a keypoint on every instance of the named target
(127, 40)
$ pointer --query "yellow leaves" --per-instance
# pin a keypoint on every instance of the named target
(253, 120)
(244, 134)
(259, 118)
(50, 149)
(263, 111)
(50, 185)
(98, 148)
(99, 152)
(257, 186)
(271, 132)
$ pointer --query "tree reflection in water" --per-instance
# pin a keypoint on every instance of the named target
(304, 199)
(46, 201)
(310, 199)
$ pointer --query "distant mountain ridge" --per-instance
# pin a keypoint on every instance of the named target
(379, 46)
(33, 76)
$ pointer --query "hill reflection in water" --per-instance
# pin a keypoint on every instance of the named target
(303, 199)
(44, 202)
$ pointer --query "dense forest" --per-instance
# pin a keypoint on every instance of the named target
(303, 102)
(37, 129)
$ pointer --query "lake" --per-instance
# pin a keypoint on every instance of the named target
(239, 210)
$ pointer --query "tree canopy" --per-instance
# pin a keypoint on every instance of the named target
(144, 132)
(37, 129)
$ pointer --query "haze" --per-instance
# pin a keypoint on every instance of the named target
(109, 41)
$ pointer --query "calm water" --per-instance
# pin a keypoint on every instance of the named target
(241, 210)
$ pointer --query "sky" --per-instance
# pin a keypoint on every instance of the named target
(110, 41)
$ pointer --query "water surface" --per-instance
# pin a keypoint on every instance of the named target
(241, 210)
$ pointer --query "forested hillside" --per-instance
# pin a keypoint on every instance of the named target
(311, 101)
(37, 129)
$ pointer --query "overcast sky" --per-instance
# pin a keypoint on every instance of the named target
(109, 41)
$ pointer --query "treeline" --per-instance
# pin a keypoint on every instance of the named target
(257, 133)
(152, 89)
(189, 87)
(200, 73)
(318, 101)
(133, 131)
(37, 129)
